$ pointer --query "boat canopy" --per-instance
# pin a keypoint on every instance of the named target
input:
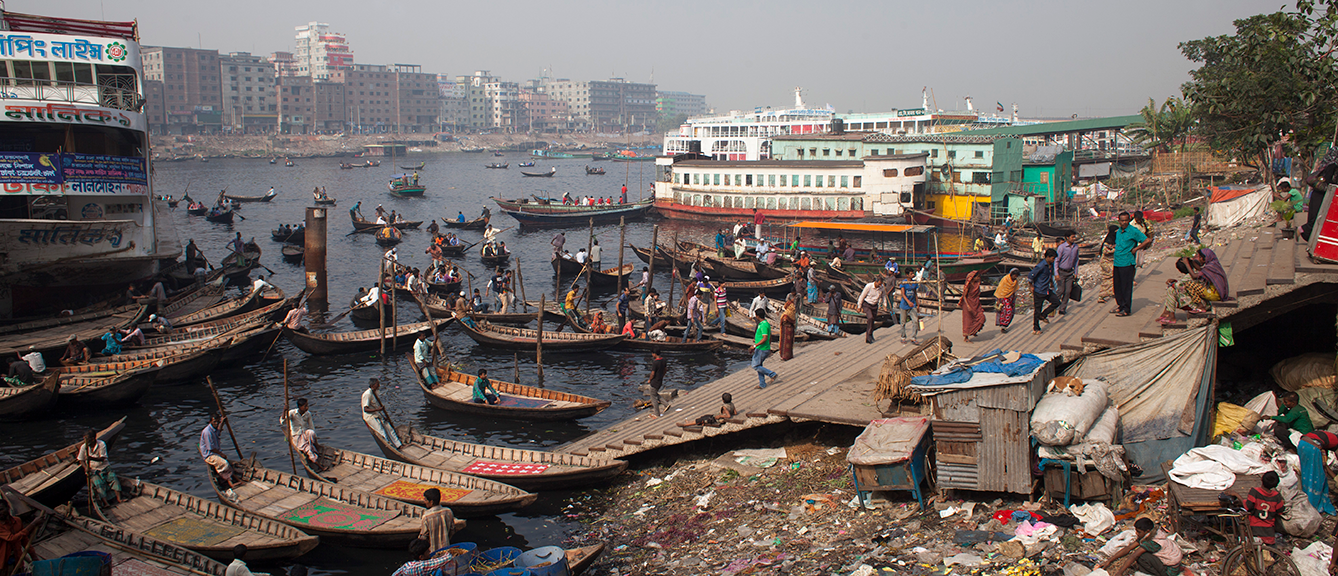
(864, 227)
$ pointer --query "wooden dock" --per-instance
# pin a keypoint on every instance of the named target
(834, 381)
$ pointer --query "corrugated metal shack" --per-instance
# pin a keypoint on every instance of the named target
(982, 429)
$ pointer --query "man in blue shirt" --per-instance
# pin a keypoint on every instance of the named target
(1042, 279)
(1128, 242)
(1066, 266)
(720, 243)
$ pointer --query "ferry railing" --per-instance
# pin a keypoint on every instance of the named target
(65, 91)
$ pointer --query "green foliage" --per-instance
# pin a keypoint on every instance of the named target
(1274, 78)
(667, 123)
(1163, 127)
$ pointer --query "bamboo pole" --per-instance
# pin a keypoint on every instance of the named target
(654, 251)
(539, 341)
(395, 314)
(589, 262)
(520, 281)
(938, 271)
(222, 413)
(380, 309)
(385, 412)
(622, 240)
(673, 272)
(287, 426)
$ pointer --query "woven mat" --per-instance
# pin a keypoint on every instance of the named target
(191, 531)
(331, 515)
(403, 489)
(522, 402)
(137, 567)
(504, 468)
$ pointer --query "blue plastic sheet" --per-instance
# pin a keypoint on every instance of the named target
(1024, 365)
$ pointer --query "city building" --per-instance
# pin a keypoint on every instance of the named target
(504, 105)
(284, 63)
(192, 96)
(319, 53)
(543, 113)
(296, 105)
(612, 105)
(380, 98)
(473, 89)
(248, 92)
(670, 104)
(330, 108)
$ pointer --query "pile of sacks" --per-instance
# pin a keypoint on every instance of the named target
(1076, 421)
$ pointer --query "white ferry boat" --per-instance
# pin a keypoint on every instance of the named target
(746, 136)
(77, 219)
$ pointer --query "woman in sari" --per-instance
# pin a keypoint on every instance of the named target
(787, 326)
(1208, 268)
(1004, 297)
(1186, 293)
(1108, 265)
(812, 284)
(973, 315)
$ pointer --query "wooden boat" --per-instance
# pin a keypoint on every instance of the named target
(52, 339)
(557, 214)
(207, 330)
(199, 298)
(525, 469)
(594, 171)
(851, 320)
(327, 201)
(293, 254)
(455, 392)
(263, 198)
(775, 287)
(287, 498)
(529, 164)
(569, 268)
(405, 186)
(1052, 231)
(740, 323)
(17, 403)
(162, 513)
(671, 345)
(953, 271)
(195, 209)
(548, 174)
(389, 236)
(367, 225)
(438, 308)
(475, 224)
(467, 496)
(447, 288)
(742, 270)
(510, 337)
(130, 552)
(54, 478)
(245, 303)
(92, 385)
(248, 344)
(491, 256)
(220, 216)
(357, 341)
(184, 361)
(498, 165)
(367, 312)
(420, 166)
(289, 163)
(235, 266)
(292, 236)
(78, 318)
(580, 559)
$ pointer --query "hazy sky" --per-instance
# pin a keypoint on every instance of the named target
(1052, 58)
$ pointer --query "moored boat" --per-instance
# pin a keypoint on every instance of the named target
(126, 551)
(244, 303)
(183, 361)
(525, 338)
(95, 385)
(557, 214)
(18, 402)
(670, 345)
(475, 224)
(455, 392)
(51, 339)
(570, 268)
(357, 341)
(54, 478)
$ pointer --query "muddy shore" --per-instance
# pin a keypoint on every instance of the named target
(168, 148)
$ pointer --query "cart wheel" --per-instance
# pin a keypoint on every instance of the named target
(931, 473)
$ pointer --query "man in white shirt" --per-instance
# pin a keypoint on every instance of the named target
(580, 256)
(93, 457)
(302, 431)
(260, 283)
(594, 254)
(868, 300)
(392, 255)
(295, 319)
(238, 566)
(373, 294)
(422, 355)
(760, 302)
(490, 235)
(374, 414)
(35, 360)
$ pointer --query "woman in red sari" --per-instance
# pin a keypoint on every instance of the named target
(973, 315)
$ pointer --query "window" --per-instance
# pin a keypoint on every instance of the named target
(817, 181)
(758, 180)
(805, 203)
(873, 152)
(845, 181)
(794, 180)
(826, 152)
(831, 181)
(952, 153)
(983, 177)
(838, 153)
(857, 204)
(771, 180)
(748, 202)
(813, 152)
(852, 152)
(771, 202)
(843, 203)
(801, 153)
(980, 153)
(914, 171)
(957, 176)
(891, 172)
(808, 180)
(781, 204)
(858, 181)
(933, 153)
(717, 179)
(71, 72)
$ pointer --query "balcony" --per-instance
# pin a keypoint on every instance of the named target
(107, 94)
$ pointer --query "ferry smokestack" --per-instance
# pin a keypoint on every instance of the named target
(838, 126)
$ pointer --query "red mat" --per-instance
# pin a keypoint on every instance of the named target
(504, 468)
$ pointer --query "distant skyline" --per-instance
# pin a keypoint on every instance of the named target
(1053, 59)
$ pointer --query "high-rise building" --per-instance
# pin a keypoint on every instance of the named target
(670, 104)
(381, 98)
(192, 97)
(542, 113)
(606, 105)
(504, 106)
(319, 52)
(248, 92)
(473, 89)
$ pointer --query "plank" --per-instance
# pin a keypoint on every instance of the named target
(1282, 269)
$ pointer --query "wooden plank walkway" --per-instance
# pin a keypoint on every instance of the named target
(834, 381)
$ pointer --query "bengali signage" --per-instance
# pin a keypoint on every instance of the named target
(70, 114)
(912, 112)
(61, 47)
(30, 168)
(81, 174)
(117, 169)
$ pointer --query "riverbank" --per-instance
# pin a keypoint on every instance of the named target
(181, 148)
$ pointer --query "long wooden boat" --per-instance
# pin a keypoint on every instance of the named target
(296, 236)
(17, 403)
(247, 344)
(548, 174)
(246, 303)
(369, 225)
(467, 496)
(493, 257)
(525, 338)
(570, 268)
(953, 271)
(774, 287)
(438, 308)
(525, 469)
(448, 288)
(455, 392)
(670, 345)
(56, 477)
(358, 341)
(164, 513)
(130, 552)
(475, 224)
(66, 321)
(498, 166)
(199, 298)
(81, 385)
(850, 321)
(262, 198)
(740, 323)
(737, 269)
(368, 520)
(220, 217)
(52, 339)
(368, 312)
(529, 215)
(185, 361)
(197, 333)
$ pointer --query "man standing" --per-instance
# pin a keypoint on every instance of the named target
(438, 521)
(374, 414)
(720, 243)
(13, 537)
(623, 196)
(624, 305)
(1194, 226)
(696, 309)
(97, 466)
(721, 304)
(1042, 279)
(762, 349)
(558, 242)
(211, 451)
(760, 302)
(658, 366)
(356, 211)
(594, 253)
(302, 431)
(194, 257)
(757, 223)
(1128, 242)
(868, 300)
(908, 313)
(1066, 266)
(422, 355)
(504, 294)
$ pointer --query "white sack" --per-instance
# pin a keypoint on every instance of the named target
(1060, 419)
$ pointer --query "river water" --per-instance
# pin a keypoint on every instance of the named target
(161, 438)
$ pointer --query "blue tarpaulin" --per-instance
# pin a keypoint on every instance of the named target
(1024, 365)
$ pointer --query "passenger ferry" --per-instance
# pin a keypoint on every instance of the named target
(747, 135)
(77, 217)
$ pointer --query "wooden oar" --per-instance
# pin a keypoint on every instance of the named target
(287, 426)
(224, 415)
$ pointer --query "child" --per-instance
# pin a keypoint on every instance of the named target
(727, 410)
(1153, 552)
(1265, 504)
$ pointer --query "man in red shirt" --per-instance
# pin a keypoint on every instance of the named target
(757, 223)
(13, 536)
(1265, 504)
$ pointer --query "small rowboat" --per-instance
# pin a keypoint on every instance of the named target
(389, 236)
(264, 198)
(438, 308)
(162, 513)
(570, 268)
(333, 513)
(850, 321)
(93, 385)
(215, 328)
(246, 344)
(455, 392)
(220, 216)
(467, 496)
(326, 201)
(774, 287)
(497, 165)
(548, 174)
(524, 469)
(491, 255)
(447, 287)
(357, 341)
(197, 209)
(292, 236)
(183, 361)
(475, 224)
(22, 402)
(526, 338)
(670, 345)
(367, 225)
(233, 307)
(55, 478)
(368, 312)
(129, 552)
(293, 254)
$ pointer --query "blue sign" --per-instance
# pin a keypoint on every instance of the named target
(118, 169)
(30, 168)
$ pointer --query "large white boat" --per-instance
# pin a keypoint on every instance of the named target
(77, 219)
(746, 136)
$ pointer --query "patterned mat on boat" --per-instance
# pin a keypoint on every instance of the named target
(522, 402)
(504, 468)
(190, 531)
(403, 489)
(328, 514)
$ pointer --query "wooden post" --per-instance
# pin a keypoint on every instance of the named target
(287, 426)
(673, 271)
(938, 271)
(539, 341)
(395, 313)
(380, 309)
(557, 282)
(222, 413)
(589, 264)
(622, 240)
(520, 281)
(515, 367)
(654, 252)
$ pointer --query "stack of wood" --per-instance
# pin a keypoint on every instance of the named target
(897, 371)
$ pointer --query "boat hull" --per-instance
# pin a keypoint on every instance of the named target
(30, 401)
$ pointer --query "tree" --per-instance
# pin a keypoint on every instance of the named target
(1272, 82)
(670, 123)
(1163, 127)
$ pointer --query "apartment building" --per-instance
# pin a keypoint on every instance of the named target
(192, 97)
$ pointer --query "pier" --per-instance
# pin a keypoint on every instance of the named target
(834, 381)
